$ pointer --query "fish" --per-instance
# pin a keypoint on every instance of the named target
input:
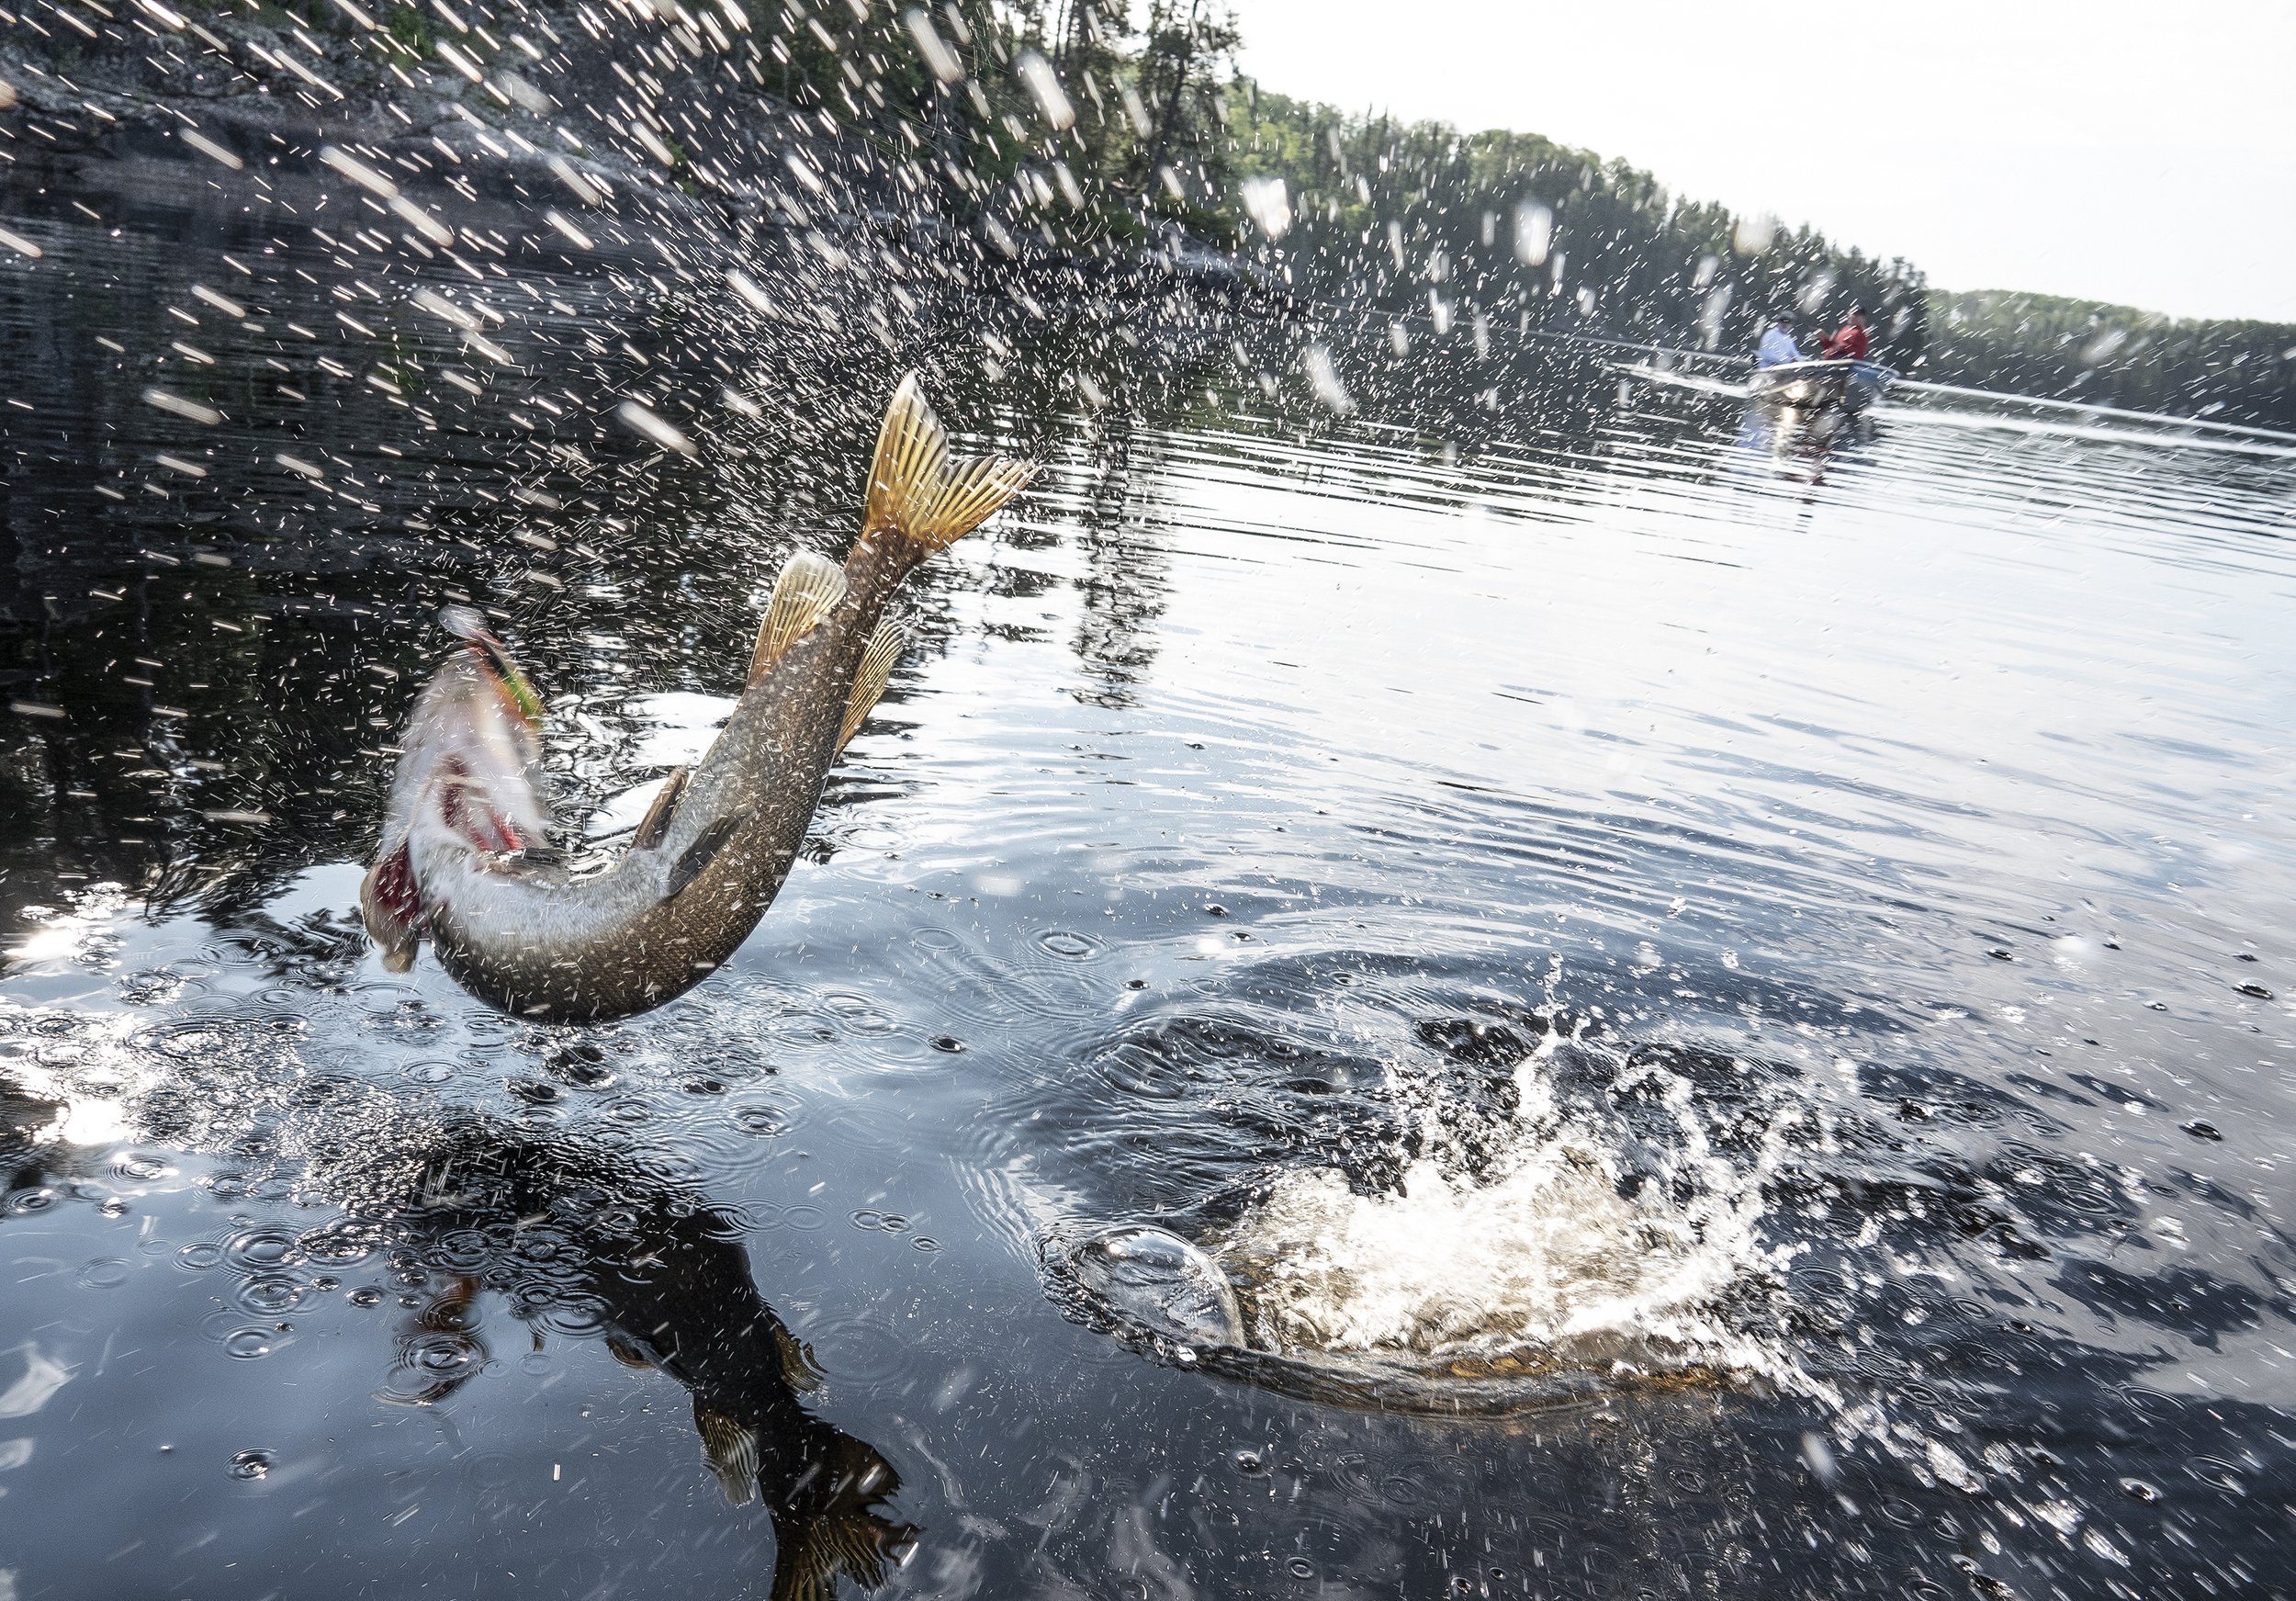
(464, 860)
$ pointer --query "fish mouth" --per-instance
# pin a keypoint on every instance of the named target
(462, 807)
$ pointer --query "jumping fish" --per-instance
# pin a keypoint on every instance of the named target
(463, 860)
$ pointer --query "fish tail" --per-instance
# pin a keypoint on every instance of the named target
(869, 683)
(830, 1523)
(917, 491)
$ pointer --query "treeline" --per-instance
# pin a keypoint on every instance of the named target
(1416, 217)
(1094, 124)
(1088, 127)
(2115, 356)
(1153, 128)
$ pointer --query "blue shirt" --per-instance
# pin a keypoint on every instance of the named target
(1777, 348)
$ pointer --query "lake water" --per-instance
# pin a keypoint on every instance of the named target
(1719, 1006)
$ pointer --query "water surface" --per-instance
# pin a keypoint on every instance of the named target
(1717, 1004)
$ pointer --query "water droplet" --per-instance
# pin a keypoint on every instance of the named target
(251, 1464)
(1755, 234)
(1267, 203)
(1534, 233)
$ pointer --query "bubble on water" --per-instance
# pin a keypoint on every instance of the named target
(251, 1464)
(262, 1248)
(1162, 1284)
(247, 1345)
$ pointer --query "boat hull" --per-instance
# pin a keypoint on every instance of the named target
(1819, 386)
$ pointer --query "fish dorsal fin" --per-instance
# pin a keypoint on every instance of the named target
(731, 1451)
(914, 492)
(809, 589)
(695, 857)
(654, 826)
(869, 683)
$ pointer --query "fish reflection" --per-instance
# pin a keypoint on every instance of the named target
(575, 1232)
(579, 1239)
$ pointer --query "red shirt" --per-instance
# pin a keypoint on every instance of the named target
(1850, 344)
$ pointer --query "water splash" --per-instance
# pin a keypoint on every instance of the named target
(1557, 1257)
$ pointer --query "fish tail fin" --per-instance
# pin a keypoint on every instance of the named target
(809, 589)
(832, 1523)
(915, 490)
(869, 683)
(731, 1448)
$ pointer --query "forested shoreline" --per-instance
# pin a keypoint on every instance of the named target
(2233, 371)
(1101, 129)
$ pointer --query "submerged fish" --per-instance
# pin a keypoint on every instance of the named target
(462, 860)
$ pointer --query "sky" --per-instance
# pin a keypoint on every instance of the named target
(2143, 154)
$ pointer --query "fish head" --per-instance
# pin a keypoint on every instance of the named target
(464, 793)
